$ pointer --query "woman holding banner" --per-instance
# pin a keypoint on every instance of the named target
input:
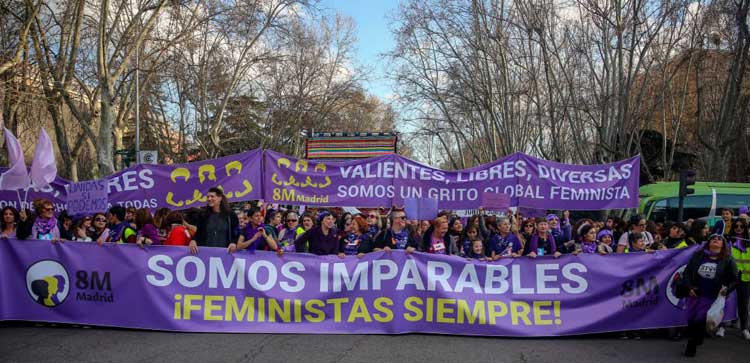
(45, 224)
(356, 241)
(398, 237)
(290, 232)
(321, 239)
(541, 242)
(254, 236)
(710, 272)
(217, 224)
(436, 240)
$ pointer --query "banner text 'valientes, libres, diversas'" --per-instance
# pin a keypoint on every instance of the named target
(386, 181)
(165, 288)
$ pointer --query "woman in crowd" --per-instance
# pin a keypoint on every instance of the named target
(99, 231)
(504, 243)
(254, 236)
(398, 236)
(341, 222)
(159, 221)
(273, 224)
(587, 239)
(65, 226)
(45, 224)
(606, 239)
(477, 251)
(80, 230)
(676, 236)
(560, 230)
(711, 271)
(527, 229)
(290, 232)
(455, 231)
(218, 225)
(147, 231)
(356, 242)
(10, 222)
(698, 232)
(471, 233)
(308, 222)
(724, 225)
(741, 253)
(637, 224)
(436, 239)
(120, 230)
(637, 243)
(177, 233)
(541, 243)
(321, 239)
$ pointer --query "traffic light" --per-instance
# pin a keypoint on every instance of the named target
(687, 178)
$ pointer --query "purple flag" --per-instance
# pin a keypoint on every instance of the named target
(17, 176)
(495, 201)
(43, 167)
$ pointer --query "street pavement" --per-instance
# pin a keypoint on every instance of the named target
(25, 342)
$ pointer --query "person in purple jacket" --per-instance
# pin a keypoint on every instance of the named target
(147, 231)
(504, 243)
(542, 242)
(321, 239)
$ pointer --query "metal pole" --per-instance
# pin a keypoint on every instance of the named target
(138, 100)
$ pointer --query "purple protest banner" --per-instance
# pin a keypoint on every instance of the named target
(165, 288)
(389, 180)
(288, 180)
(176, 186)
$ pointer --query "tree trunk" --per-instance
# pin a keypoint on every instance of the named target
(104, 138)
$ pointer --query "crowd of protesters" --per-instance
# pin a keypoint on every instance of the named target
(721, 265)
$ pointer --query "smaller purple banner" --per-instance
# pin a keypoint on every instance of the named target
(87, 197)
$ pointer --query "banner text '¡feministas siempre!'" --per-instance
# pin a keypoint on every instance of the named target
(387, 180)
(165, 288)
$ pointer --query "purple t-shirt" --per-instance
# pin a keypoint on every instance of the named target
(149, 231)
(249, 232)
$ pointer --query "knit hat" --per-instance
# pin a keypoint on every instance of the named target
(717, 235)
(602, 233)
(743, 210)
(552, 216)
(322, 214)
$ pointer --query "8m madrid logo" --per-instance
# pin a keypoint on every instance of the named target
(48, 283)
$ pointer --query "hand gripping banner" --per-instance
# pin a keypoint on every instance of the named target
(165, 288)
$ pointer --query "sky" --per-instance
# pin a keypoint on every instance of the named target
(373, 37)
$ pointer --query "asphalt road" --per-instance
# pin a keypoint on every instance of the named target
(22, 342)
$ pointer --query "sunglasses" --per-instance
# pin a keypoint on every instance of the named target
(372, 216)
(49, 209)
(399, 217)
(528, 226)
(100, 220)
(739, 226)
(291, 220)
(641, 225)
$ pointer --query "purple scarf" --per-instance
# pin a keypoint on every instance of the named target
(534, 243)
(588, 247)
(44, 227)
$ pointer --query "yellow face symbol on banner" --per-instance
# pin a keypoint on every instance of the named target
(301, 166)
(207, 173)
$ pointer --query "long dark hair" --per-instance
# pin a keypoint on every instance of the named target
(15, 216)
(696, 231)
(224, 204)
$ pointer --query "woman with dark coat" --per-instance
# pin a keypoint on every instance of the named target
(710, 272)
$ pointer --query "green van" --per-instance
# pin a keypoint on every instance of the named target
(658, 202)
